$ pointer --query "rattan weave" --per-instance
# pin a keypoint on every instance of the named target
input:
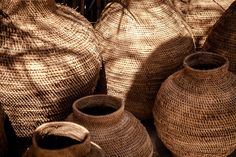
(201, 15)
(62, 139)
(222, 38)
(49, 57)
(118, 133)
(144, 42)
(195, 108)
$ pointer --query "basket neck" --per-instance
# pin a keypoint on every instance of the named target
(141, 3)
(206, 65)
(62, 129)
(15, 7)
(98, 100)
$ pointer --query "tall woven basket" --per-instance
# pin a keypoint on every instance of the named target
(195, 108)
(201, 15)
(49, 57)
(222, 38)
(145, 42)
(117, 131)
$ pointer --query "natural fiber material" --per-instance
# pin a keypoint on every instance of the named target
(144, 42)
(49, 57)
(201, 15)
(62, 139)
(195, 111)
(3, 139)
(117, 131)
(222, 38)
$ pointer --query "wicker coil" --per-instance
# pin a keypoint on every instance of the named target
(201, 15)
(62, 139)
(145, 42)
(195, 111)
(49, 57)
(3, 139)
(117, 131)
(222, 38)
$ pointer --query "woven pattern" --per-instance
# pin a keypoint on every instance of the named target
(118, 133)
(49, 57)
(65, 139)
(3, 139)
(222, 38)
(201, 15)
(144, 43)
(195, 112)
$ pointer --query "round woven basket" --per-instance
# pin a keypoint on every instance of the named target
(60, 139)
(3, 139)
(222, 38)
(117, 131)
(195, 108)
(49, 57)
(144, 42)
(201, 15)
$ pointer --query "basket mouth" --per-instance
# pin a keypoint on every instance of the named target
(98, 106)
(205, 62)
(60, 135)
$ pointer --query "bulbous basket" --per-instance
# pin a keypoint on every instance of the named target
(195, 108)
(49, 57)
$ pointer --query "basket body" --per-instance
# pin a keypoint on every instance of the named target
(195, 109)
(222, 38)
(201, 15)
(62, 139)
(145, 42)
(49, 57)
(118, 133)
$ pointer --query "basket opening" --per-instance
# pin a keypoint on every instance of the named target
(56, 142)
(205, 61)
(97, 110)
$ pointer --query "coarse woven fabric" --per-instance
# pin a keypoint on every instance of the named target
(49, 57)
(201, 15)
(66, 139)
(195, 111)
(145, 42)
(118, 133)
(222, 38)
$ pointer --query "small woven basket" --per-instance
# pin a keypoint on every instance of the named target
(201, 15)
(195, 108)
(60, 139)
(49, 57)
(222, 38)
(144, 42)
(117, 131)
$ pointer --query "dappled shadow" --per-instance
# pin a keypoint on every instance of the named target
(43, 73)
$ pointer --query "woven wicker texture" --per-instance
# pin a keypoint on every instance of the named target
(222, 38)
(144, 42)
(195, 111)
(3, 139)
(118, 132)
(49, 57)
(201, 15)
(63, 139)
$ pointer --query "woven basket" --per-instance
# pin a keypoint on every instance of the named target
(195, 111)
(222, 38)
(62, 139)
(3, 139)
(117, 131)
(144, 42)
(49, 57)
(201, 15)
